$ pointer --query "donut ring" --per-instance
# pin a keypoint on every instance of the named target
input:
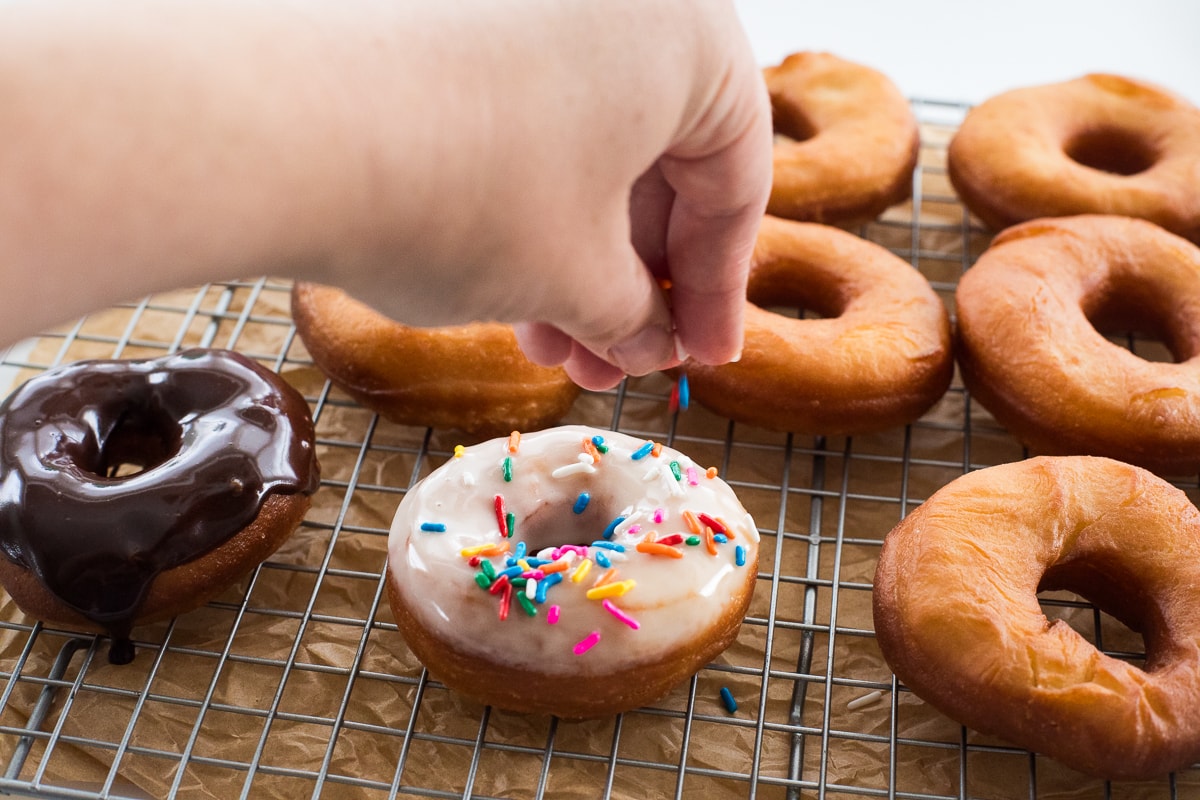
(224, 464)
(846, 143)
(641, 566)
(881, 357)
(473, 378)
(1100, 144)
(1030, 354)
(957, 616)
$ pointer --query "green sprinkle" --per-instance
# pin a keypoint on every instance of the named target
(483, 580)
(488, 569)
(511, 520)
(507, 469)
(693, 540)
(519, 581)
(678, 473)
(526, 604)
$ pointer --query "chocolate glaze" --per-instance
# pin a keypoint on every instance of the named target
(114, 471)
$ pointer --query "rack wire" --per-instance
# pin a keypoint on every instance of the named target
(296, 682)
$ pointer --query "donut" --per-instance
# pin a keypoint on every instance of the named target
(135, 490)
(1100, 144)
(881, 355)
(1031, 353)
(571, 571)
(472, 378)
(957, 616)
(846, 140)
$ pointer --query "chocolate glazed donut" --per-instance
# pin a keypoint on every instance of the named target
(135, 490)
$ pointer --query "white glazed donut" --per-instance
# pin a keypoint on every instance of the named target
(641, 564)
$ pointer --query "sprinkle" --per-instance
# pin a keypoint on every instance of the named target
(710, 543)
(581, 502)
(605, 577)
(468, 479)
(615, 589)
(651, 536)
(611, 608)
(519, 552)
(676, 470)
(602, 559)
(717, 525)
(488, 569)
(710, 473)
(590, 448)
(506, 469)
(652, 473)
(659, 515)
(587, 643)
(531, 588)
(475, 561)
(514, 441)
(600, 444)
(612, 527)
(656, 549)
(633, 530)
(603, 545)
(720, 538)
(499, 585)
(459, 451)
(642, 451)
(510, 522)
(693, 522)
(483, 580)
(671, 539)
(552, 614)
(501, 516)
(527, 604)
(727, 700)
(692, 540)
(434, 527)
(560, 565)
(505, 601)
(581, 571)
(683, 392)
(511, 572)
(693, 477)
(656, 449)
(544, 586)
(739, 555)
(490, 549)
(568, 470)
(864, 701)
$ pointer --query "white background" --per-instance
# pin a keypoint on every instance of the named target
(968, 50)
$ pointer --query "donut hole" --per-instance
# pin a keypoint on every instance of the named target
(1113, 150)
(1135, 316)
(791, 124)
(557, 524)
(1102, 630)
(140, 440)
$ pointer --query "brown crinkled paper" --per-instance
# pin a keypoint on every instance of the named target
(295, 681)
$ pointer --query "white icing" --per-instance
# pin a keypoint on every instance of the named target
(670, 599)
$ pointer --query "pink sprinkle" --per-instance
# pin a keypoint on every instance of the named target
(611, 608)
(693, 476)
(633, 530)
(533, 575)
(588, 643)
(552, 614)
(659, 515)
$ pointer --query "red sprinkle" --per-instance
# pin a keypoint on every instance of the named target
(672, 539)
(505, 601)
(500, 584)
(501, 517)
(715, 524)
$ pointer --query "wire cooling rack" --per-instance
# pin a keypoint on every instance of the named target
(296, 682)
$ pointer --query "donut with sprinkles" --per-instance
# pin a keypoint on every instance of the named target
(573, 571)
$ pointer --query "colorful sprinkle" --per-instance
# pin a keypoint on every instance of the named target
(683, 392)
(510, 521)
(602, 559)
(600, 444)
(587, 643)
(710, 543)
(693, 477)
(500, 584)
(514, 441)
(611, 608)
(605, 576)
(505, 601)
(459, 451)
(612, 527)
(727, 700)
(582, 570)
(717, 525)
(483, 580)
(506, 469)
(488, 569)
(656, 449)
(693, 522)
(581, 502)
(642, 451)
(739, 555)
(614, 589)
(545, 585)
(519, 552)
(526, 604)
(590, 448)
(603, 545)
(659, 515)
(501, 516)
(434, 527)
(671, 539)
(656, 549)
(531, 587)
(710, 473)
(676, 471)
(552, 614)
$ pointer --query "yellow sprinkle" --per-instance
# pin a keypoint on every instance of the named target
(468, 552)
(459, 450)
(523, 564)
(582, 570)
(610, 590)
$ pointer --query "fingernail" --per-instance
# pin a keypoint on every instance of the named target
(645, 352)
(680, 352)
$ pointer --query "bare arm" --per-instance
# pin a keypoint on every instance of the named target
(444, 161)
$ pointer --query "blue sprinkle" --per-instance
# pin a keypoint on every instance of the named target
(685, 393)
(720, 538)
(598, 441)
(537, 562)
(519, 551)
(602, 559)
(581, 502)
(612, 527)
(544, 585)
(642, 451)
(511, 572)
(603, 545)
(739, 555)
(727, 700)
(433, 527)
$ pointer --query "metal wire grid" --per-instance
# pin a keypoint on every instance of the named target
(290, 695)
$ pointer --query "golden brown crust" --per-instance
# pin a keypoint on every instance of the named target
(1030, 352)
(957, 615)
(1100, 144)
(472, 378)
(881, 356)
(182, 588)
(850, 140)
(578, 695)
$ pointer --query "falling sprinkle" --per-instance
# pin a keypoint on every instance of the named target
(611, 608)
(433, 527)
(727, 700)
(587, 643)
(581, 502)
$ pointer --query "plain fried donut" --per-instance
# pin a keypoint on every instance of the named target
(958, 620)
(1031, 354)
(571, 571)
(472, 378)
(846, 143)
(1100, 144)
(132, 491)
(880, 357)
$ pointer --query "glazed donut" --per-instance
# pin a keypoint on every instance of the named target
(571, 571)
(473, 378)
(1030, 352)
(957, 615)
(1100, 144)
(846, 140)
(880, 357)
(132, 491)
